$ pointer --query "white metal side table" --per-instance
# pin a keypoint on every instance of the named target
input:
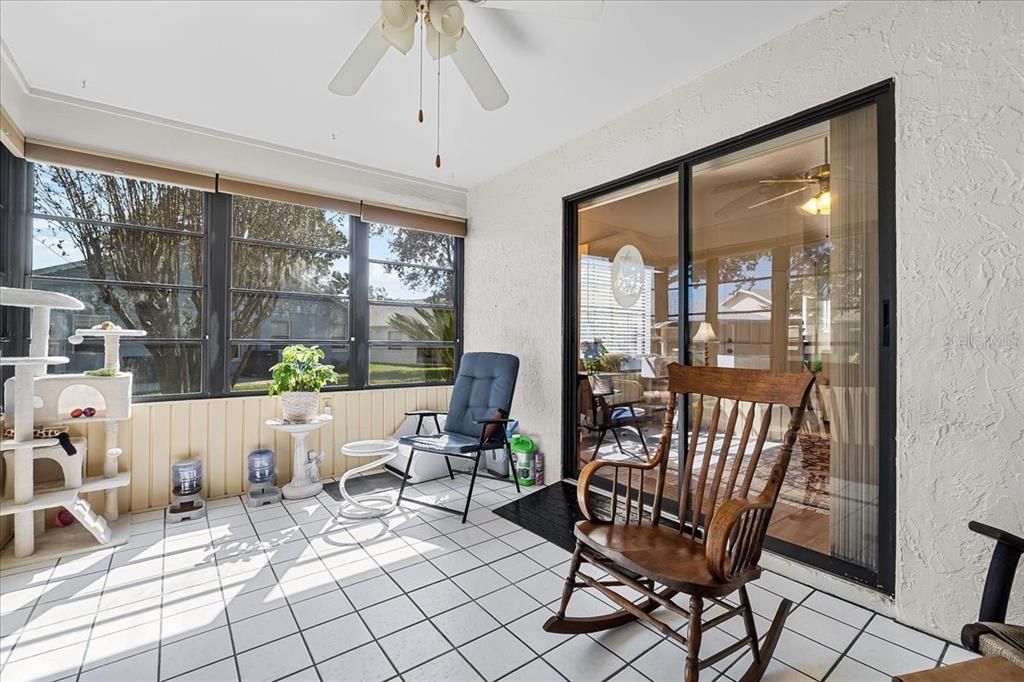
(369, 505)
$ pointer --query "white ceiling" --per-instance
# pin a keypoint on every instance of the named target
(260, 70)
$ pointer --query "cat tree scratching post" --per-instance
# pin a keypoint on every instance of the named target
(34, 398)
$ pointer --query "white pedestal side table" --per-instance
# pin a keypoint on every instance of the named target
(356, 507)
(304, 483)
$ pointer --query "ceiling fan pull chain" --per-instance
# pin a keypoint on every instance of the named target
(437, 158)
(421, 69)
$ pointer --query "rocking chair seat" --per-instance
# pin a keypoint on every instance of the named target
(662, 554)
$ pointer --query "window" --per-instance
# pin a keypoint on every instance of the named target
(289, 284)
(222, 283)
(412, 313)
(133, 253)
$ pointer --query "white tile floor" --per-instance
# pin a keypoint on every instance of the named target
(285, 593)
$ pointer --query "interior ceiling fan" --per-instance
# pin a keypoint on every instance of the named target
(770, 190)
(442, 31)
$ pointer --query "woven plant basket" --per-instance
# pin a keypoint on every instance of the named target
(299, 406)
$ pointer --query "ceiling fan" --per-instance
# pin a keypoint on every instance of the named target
(775, 189)
(443, 33)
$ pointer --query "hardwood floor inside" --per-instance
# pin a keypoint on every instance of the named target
(790, 523)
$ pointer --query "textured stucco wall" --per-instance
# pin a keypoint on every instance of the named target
(960, 161)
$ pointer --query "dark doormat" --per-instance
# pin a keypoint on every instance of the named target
(359, 485)
(551, 513)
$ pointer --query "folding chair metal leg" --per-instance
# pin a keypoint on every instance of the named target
(512, 467)
(600, 439)
(472, 482)
(615, 434)
(405, 476)
(451, 474)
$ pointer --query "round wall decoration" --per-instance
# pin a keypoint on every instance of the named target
(628, 276)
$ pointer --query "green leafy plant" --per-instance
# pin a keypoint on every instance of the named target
(300, 370)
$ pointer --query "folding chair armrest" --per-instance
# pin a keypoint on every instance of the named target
(425, 413)
(493, 421)
(998, 535)
(744, 521)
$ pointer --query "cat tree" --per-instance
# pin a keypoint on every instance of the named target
(34, 399)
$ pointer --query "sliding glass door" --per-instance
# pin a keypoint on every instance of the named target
(786, 241)
(628, 321)
(783, 241)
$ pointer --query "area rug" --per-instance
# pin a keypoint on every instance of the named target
(807, 480)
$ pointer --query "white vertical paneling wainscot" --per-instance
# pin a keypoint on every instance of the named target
(223, 431)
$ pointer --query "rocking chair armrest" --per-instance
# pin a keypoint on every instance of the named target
(587, 475)
(744, 522)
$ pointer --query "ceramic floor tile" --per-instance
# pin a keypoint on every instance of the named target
(890, 658)
(138, 668)
(522, 539)
(516, 567)
(336, 636)
(445, 668)
(455, 563)
(530, 629)
(465, 623)
(581, 658)
(194, 652)
(955, 654)
(392, 615)
(274, 660)
(259, 630)
(492, 550)
(439, 597)
(820, 628)
(841, 610)
(414, 577)
(496, 654)
(108, 648)
(508, 603)
(480, 581)
(46, 667)
(321, 608)
(372, 591)
(412, 646)
(805, 655)
(628, 641)
(221, 671)
(367, 661)
(534, 671)
(849, 670)
(918, 642)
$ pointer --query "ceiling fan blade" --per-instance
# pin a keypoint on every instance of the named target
(740, 202)
(478, 73)
(571, 9)
(781, 196)
(357, 68)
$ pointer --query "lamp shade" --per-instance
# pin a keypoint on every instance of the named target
(705, 333)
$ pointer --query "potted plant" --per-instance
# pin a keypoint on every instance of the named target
(298, 379)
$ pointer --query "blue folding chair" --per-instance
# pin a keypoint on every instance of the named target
(477, 418)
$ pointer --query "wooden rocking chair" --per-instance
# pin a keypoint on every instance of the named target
(715, 551)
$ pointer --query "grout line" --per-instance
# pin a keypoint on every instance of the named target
(845, 654)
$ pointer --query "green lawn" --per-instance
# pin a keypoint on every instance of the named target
(380, 374)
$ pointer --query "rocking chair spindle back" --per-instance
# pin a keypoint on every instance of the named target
(721, 526)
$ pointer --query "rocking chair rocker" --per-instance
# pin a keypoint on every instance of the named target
(716, 550)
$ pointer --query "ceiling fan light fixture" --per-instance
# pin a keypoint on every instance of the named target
(819, 204)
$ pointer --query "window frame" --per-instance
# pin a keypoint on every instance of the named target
(215, 340)
(29, 217)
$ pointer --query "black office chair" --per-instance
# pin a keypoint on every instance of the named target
(477, 418)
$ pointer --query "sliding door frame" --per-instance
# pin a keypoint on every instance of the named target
(880, 94)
